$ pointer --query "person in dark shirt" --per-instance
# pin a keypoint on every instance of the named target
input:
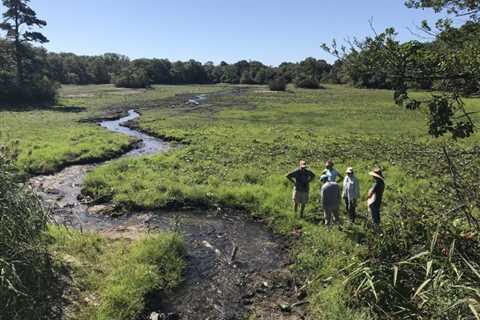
(301, 179)
(375, 195)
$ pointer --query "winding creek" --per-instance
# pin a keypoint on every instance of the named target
(234, 264)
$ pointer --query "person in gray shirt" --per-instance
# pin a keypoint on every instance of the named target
(330, 198)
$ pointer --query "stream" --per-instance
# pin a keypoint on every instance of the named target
(235, 266)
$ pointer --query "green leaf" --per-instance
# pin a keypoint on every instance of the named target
(452, 249)
(417, 292)
(434, 241)
(395, 274)
(418, 255)
(429, 268)
(474, 311)
(475, 271)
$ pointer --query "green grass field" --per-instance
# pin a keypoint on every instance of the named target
(235, 152)
(47, 138)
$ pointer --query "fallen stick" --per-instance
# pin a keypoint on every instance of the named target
(234, 253)
(299, 303)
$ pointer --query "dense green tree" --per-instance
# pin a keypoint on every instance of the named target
(132, 77)
(470, 8)
(19, 14)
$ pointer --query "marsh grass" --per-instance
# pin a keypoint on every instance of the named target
(237, 154)
(50, 138)
(112, 278)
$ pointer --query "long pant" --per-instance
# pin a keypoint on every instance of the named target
(328, 213)
(351, 205)
(375, 212)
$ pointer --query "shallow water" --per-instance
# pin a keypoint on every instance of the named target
(149, 145)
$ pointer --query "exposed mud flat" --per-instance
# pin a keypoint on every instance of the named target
(235, 266)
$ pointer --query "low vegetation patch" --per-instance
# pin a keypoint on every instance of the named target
(277, 84)
(307, 83)
(112, 278)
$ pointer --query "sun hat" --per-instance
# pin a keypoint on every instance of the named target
(377, 173)
(323, 178)
(303, 164)
(349, 170)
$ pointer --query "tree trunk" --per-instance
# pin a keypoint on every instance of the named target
(18, 48)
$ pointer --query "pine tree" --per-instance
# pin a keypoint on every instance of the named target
(17, 17)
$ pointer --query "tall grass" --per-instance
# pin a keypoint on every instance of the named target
(29, 288)
(116, 276)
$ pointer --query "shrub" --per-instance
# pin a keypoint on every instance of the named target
(132, 77)
(26, 286)
(307, 83)
(40, 89)
(278, 84)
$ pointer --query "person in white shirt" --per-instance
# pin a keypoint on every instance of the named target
(350, 193)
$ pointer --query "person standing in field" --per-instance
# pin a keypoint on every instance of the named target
(301, 179)
(350, 193)
(330, 198)
(375, 195)
(331, 173)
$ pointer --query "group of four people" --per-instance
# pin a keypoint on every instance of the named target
(331, 194)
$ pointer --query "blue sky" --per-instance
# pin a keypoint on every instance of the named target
(271, 31)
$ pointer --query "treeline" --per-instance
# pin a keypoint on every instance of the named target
(42, 70)
(68, 68)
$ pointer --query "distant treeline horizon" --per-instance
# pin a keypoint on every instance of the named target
(70, 68)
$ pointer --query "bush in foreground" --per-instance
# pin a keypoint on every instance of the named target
(26, 278)
(278, 84)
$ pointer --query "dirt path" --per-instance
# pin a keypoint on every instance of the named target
(235, 266)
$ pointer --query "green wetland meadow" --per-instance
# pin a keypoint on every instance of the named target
(231, 152)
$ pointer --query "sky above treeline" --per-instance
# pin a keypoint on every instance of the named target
(270, 31)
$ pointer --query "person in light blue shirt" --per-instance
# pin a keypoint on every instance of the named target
(332, 174)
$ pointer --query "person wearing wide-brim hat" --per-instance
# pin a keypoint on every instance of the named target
(301, 178)
(350, 193)
(375, 194)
